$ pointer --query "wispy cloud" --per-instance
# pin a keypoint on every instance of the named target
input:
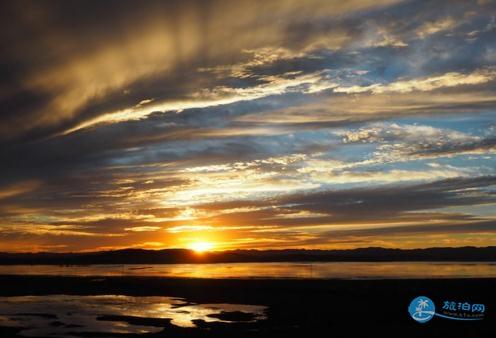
(447, 80)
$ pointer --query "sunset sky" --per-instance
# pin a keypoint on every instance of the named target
(247, 124)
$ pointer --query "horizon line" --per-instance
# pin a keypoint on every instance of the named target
(232, 250)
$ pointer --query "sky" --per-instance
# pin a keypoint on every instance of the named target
(317, 124)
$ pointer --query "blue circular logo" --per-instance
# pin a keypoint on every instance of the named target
(422, 309)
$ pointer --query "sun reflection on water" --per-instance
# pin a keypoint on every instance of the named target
(84, 313)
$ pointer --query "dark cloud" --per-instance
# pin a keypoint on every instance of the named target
(419, 229)
(394, 200)
(389, 204)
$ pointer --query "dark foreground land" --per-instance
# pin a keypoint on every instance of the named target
(296, 308)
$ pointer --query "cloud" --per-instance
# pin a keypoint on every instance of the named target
(378, 36)
(364, 204)
(381, 132)
(347, 111)
(274, 85)
(446, 80)
(404, 142)
(449, 228)
(189, 228)
(389, 176)
(278, 85)
(435, 27)
(105, 53)
(142, 228)
(18, 189)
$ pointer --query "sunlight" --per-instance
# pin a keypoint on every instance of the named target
(200, 247)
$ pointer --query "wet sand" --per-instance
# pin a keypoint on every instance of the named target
(295, 308)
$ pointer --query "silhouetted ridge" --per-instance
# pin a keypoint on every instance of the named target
(170, 256)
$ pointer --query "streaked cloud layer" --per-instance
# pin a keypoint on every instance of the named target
(247, 124)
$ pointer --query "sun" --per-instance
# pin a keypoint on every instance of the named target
(201, 246)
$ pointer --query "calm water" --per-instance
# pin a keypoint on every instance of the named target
(339, 270)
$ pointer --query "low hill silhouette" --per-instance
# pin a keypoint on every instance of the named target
(171, 256)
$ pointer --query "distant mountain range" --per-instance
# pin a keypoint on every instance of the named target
(170, 256)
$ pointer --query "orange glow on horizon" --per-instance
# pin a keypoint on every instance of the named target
(201, 247)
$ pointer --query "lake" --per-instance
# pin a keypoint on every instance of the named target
(325, 270)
